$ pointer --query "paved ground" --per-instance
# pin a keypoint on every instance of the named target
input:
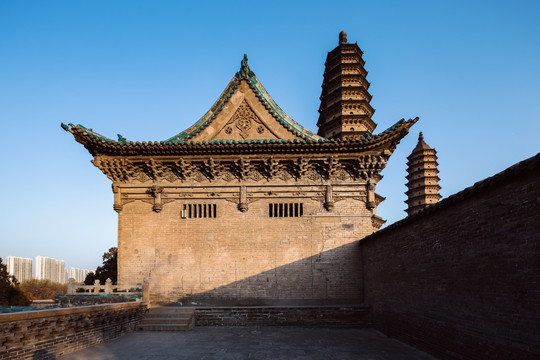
(253, 343)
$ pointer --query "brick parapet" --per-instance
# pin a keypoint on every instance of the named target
(460, 278)
(47, 334)
(527, 166)
(90, 299)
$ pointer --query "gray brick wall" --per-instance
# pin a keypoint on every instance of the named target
(461, 279)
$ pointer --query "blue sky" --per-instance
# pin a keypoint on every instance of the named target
(149, 69)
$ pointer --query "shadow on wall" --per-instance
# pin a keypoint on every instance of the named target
(333, 277)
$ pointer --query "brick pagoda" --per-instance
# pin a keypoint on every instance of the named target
(423, 181)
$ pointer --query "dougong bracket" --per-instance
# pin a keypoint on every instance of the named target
(243, 204)
(370, 195)
(117, 206)
(156, 192)
(329, 198)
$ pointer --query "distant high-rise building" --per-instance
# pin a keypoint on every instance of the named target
(19, 267)
(50, 269)
(78, 274)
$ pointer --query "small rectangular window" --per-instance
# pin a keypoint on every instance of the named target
(285, 210)
(199, 211)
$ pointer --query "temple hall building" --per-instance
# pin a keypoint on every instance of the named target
(248, 207)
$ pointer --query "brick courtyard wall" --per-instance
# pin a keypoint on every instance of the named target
(307, 316)
(47, 334)
(460, 279)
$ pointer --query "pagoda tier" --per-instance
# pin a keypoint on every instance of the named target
(423, 182)
(345, 110)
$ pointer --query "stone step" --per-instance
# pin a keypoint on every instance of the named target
(157, 321)
(167, 315)
(166, 327)
(172, 309)
(168, 318)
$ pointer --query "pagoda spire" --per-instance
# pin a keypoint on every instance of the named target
(423, 182)
(345, 111)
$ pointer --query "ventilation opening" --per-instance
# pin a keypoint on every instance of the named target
(199, 211)
(286, 210)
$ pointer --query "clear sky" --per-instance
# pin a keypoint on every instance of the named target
(149, 69)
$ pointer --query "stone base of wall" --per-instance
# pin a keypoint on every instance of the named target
(308, 316)
(47, 334)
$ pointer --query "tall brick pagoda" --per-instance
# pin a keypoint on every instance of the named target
(423, 181)
(345, 112)
(246, 206)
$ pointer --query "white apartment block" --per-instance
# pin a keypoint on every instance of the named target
(78, 274)
(50, 269)
(19, 267)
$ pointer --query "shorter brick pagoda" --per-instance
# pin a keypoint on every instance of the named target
(423, 182)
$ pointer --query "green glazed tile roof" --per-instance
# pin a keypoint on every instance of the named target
(96, 143)
(92, 139)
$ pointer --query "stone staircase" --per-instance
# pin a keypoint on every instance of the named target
(168, 318)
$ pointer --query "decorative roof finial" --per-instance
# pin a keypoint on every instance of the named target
(343, 37)
(421, 145)
(244, 67)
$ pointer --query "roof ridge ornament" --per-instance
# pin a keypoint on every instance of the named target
(245, 72)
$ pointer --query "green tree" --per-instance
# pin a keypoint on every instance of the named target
(10, 293)
(109, 269)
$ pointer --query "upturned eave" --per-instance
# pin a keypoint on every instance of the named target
(97, 144)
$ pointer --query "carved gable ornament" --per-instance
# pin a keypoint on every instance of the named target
(244, 117)
(245, 124)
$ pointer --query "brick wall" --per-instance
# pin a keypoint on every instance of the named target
(245, 258)
(461, 279)
(308, 316)
(47, 334)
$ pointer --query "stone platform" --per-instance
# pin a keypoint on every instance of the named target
(269, 342)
